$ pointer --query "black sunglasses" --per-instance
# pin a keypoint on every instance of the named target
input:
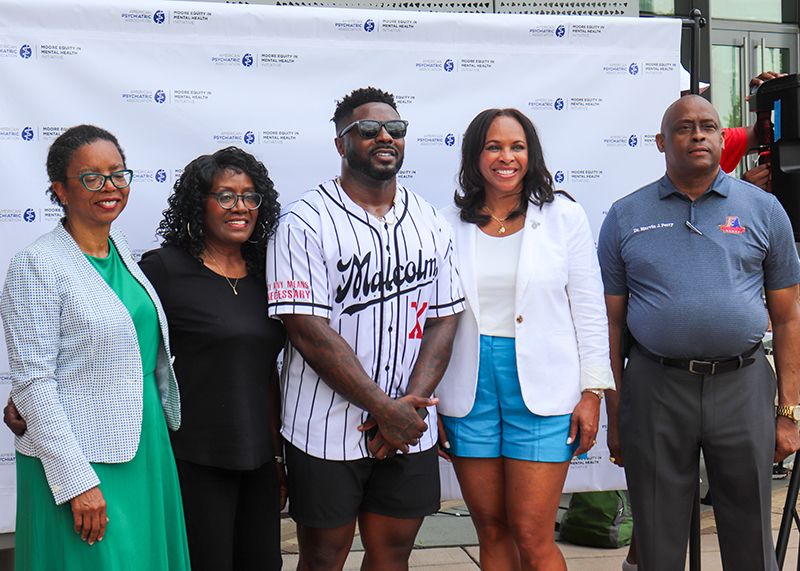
(370, 128)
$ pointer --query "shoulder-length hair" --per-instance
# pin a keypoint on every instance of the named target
(183, 223)
(537, 185)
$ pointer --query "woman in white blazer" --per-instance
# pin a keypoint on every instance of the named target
(92, 377)
(522, 393)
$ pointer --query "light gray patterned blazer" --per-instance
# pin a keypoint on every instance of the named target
(75, 364)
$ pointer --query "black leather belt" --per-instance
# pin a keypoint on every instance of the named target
(704, 367)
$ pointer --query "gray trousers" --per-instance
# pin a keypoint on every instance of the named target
(666, 417)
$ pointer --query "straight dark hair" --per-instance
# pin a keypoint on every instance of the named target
(537, 185)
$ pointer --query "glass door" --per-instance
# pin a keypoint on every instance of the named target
(740, 52)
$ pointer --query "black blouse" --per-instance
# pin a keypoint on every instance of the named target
(225, 348)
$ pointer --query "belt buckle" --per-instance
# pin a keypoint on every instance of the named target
(692, 364)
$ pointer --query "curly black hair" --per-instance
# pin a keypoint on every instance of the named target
(183, 224)
(359, 97)
(537, 185)
(60, 153)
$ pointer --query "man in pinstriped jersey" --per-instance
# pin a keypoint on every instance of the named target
(363, 275)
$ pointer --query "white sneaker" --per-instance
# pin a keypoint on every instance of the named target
(628, 566)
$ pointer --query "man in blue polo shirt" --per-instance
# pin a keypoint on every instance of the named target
(686, 258)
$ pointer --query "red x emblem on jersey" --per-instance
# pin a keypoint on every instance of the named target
(416, 333)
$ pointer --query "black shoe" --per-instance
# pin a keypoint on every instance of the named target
(779, 472)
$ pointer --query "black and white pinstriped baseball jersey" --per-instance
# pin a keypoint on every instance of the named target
(376, 282)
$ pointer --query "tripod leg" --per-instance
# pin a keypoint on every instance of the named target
(789, 513)
(694, 533)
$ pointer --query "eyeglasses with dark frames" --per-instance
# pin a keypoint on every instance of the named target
(371, 128)
(228, 199)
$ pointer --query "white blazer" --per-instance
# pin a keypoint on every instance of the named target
(561, 324)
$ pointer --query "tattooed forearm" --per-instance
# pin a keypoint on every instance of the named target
(335, 361)
(434, 355)
(337, 364)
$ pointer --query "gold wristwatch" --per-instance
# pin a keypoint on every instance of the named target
(790, 412)
(598, 393)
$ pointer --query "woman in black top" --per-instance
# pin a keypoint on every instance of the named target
(209, 274)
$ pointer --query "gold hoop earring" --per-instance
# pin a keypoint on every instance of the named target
(189, 231)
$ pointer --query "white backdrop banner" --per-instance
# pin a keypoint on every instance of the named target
(174, 80)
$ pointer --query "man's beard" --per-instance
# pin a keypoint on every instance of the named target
(367, 167)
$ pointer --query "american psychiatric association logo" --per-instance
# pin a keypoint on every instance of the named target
(10, 215)
(618, 141)
(435, 65)
(548, 31)
(228, 137)
(732, 226)
(633, 69)
(143, 16)
(161, 175)
(616, 68)
(450, 139)
(144, 96)
(559, 177)
(546, 104)
(27, 134)
(435, 140)
(633, 140)
(354, 25)
(230, 59)
(247, 60)
(249, 138)
(29, 215)
(25, 52)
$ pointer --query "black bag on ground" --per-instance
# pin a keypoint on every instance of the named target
(598, 519)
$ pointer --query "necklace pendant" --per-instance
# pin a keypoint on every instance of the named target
(501, 230)
(234, 291)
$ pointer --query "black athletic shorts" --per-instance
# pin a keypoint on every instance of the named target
(330, 493)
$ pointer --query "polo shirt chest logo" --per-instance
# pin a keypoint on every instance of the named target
(732, 226)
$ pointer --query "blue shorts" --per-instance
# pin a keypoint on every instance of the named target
(499, 423)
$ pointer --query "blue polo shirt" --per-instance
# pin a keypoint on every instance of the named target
(695, 292)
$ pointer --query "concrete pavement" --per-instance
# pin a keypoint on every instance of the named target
(447, 542)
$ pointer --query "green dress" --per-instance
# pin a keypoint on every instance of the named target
(146, 529)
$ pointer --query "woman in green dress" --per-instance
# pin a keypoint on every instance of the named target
(92, 378)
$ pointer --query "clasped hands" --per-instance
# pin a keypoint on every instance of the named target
(399, 425)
